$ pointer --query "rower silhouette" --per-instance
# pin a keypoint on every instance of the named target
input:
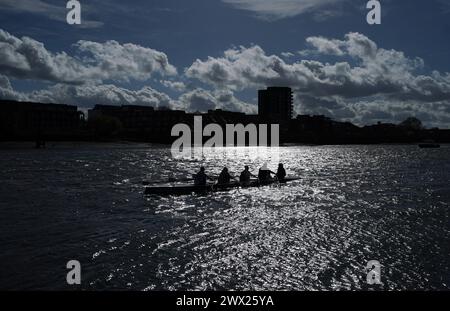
(224, 177)
(200, 178)
(281, 172)
(264, 174)
(245, 176)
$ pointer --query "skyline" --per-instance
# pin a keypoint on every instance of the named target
(165, 56)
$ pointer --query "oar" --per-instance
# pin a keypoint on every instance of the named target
(169, 180)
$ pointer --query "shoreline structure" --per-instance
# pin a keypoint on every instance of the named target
(40, 123)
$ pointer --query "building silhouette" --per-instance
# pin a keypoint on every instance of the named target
(140, 123)
(143, 123)
(46, 122)
(35, 121)
(275, 103)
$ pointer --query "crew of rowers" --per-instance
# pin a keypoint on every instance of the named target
(264, 176)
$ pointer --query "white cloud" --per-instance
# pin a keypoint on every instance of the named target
(203, 100)
(287, 54)
(26, 58)
(4, 82)
(112, 60)
(174, 85)
(375, 71)
(278, 9)
(239, 68)
(370, 74)
(326, 46)
(368, 84)
(198, 100)
(87, 96)
(6, 90)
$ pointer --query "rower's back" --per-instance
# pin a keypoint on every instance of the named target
(245, 176)
(263, 176)
(200, 178)
(224, 178)
(281, 172)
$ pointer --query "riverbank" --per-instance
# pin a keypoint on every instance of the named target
(20, 145)
(77, 145)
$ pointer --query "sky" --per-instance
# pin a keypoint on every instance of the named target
(198, 55)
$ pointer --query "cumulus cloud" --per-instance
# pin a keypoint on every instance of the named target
(287, 54)
(6, 90)
(368, 74)
(239, 68)
(375, 71)
(366, 84)
(174, 85)
(226, 100)
(4, 82)
(203, 100)
(376, 109)
(87, 96)
(436, 114)
(26, 58)
(198, 100)
(325, 46)
(278, 9)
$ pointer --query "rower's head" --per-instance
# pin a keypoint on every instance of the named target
(225, 169)
(280, 165)
(247, 168)
(202, 169)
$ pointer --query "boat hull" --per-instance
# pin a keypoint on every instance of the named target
(428, 146)
(189, 189)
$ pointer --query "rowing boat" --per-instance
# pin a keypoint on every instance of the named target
(189, 189)
(429, 145)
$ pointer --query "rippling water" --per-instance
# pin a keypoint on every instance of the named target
(355, 204)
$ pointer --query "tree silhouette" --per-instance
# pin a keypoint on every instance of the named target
(412, 123)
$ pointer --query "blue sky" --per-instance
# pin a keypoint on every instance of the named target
(310, 45)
